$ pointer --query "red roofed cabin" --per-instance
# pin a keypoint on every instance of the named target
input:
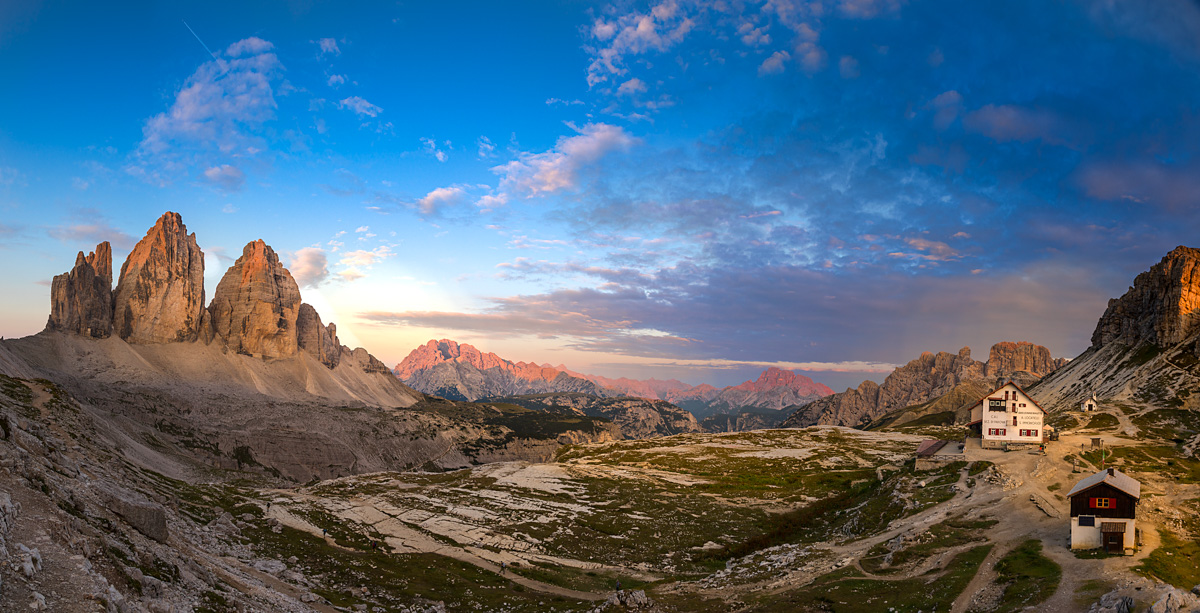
(1104, 511)
(1008, 416)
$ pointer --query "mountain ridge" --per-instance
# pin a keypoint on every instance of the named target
(459, 370)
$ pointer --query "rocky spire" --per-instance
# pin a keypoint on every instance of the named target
(160, 297)
(319, 341)
(256, 304)
(1162, 307)
(81, 300)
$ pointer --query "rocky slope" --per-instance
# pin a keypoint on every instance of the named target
(637, 418)
(81, 300)
(460, 371)
(1146, 345)
(926, 378)
(160, 296)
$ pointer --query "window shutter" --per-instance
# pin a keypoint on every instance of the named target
(1094, 504)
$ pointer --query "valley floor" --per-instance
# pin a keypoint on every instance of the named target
(815, 519)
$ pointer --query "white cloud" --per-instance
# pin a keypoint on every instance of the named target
(752, 36)
(215, 114)
(80, 184)
(635, 33)
(431, 147)
(226, 177)
(486, 147)
(336, 80)
(773, 64)
(359, 230)
(491, 202)
(442, 196)
(329, 45)
(848, 66)
(249, 46)
(360, 106)
(362, 258)
(534, 174)
(351, 274)
(309, 266)
(228, 208)
(631, 87)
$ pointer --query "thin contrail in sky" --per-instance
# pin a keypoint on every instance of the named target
(214, 56)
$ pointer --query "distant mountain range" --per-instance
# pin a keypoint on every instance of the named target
(915, 387)
(461, 372)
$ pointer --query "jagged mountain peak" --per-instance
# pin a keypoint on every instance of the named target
(1161, 308)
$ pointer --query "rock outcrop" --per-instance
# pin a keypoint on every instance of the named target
(928, 377)
(1161, 308)
(160, 295)
(255, 306)
(81, 300)
(321, 342)
(1008, 359)
(636, 417)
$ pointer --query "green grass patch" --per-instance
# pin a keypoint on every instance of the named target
(1144, 354)
(943, 535)
(1029, 577)
(842, 592)
(978, 467)
(1103, 421)
(1176, 561)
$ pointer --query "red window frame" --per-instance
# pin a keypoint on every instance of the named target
(1101, 503)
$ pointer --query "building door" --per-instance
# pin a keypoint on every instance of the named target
(1114, 542)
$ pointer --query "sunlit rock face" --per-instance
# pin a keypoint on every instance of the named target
(81, 300)
(160, 296)
(256, 305)
(321, 342)
(1162, 307)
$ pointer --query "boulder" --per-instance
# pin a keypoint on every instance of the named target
(321, 342)
(81, 300)
(255, 306)
(160, 296)
(147, 517)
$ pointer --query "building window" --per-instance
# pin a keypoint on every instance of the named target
(995, 404)
(1087, 520)
(1014, 420)
(1102, 503)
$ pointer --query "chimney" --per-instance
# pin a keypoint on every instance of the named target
(1112, 472)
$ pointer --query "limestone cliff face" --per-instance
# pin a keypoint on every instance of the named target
(1162, 307)
(160, 296)
(359, 358)
(255, 306)
(81, 300)
(923, 379)
(321, 342)
(1010, 358)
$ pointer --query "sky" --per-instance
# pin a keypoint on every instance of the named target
(695, 190)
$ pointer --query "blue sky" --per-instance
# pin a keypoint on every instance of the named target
(683, 189)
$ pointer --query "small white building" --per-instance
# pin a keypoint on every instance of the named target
(1008, 416)
(1104, 511)
(1091, 404)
